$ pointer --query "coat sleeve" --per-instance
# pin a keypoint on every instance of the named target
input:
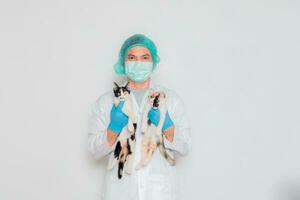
(97, 131)
(182, 135)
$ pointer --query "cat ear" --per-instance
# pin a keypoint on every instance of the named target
(127, 85)
(116, 86)
(161, 94)
(151, 91)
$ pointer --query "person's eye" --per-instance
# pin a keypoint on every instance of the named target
(146, 57)
(131, 57)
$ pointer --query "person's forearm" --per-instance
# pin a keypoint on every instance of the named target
(180, 141)
(111, 137)
(169, 133)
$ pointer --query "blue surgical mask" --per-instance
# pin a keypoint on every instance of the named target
(138, 71)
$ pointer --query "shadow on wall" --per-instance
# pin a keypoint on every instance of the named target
(289, 191)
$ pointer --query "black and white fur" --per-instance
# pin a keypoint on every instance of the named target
(123, 154)
(152, 135)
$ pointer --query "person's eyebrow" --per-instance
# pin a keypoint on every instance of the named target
(147, 54)
(131, 55)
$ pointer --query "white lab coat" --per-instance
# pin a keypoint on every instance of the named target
(157, 181)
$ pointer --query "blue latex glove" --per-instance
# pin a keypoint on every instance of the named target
(117, 118)
(154, 116)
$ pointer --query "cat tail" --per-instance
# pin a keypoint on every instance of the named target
(117, 151)
(164, 152)
(123, 158)
(120, 169)
(114, 156)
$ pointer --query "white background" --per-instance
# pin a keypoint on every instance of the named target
(235, 64)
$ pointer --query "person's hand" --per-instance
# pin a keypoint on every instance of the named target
(118, 120)
(168, 125)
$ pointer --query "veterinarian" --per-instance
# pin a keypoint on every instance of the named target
(157, 181)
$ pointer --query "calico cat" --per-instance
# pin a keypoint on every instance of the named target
(125, 144)
(153, 136)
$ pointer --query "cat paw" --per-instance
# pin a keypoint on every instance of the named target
(139, 166)
(130, 128)
(172, 162)
(134, 119)
(128, 171)
(110, 167)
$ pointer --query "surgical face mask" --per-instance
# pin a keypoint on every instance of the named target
(138, 71)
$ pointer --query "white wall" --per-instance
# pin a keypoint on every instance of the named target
(235, 63)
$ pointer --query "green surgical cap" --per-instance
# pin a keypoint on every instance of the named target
(135, 40)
